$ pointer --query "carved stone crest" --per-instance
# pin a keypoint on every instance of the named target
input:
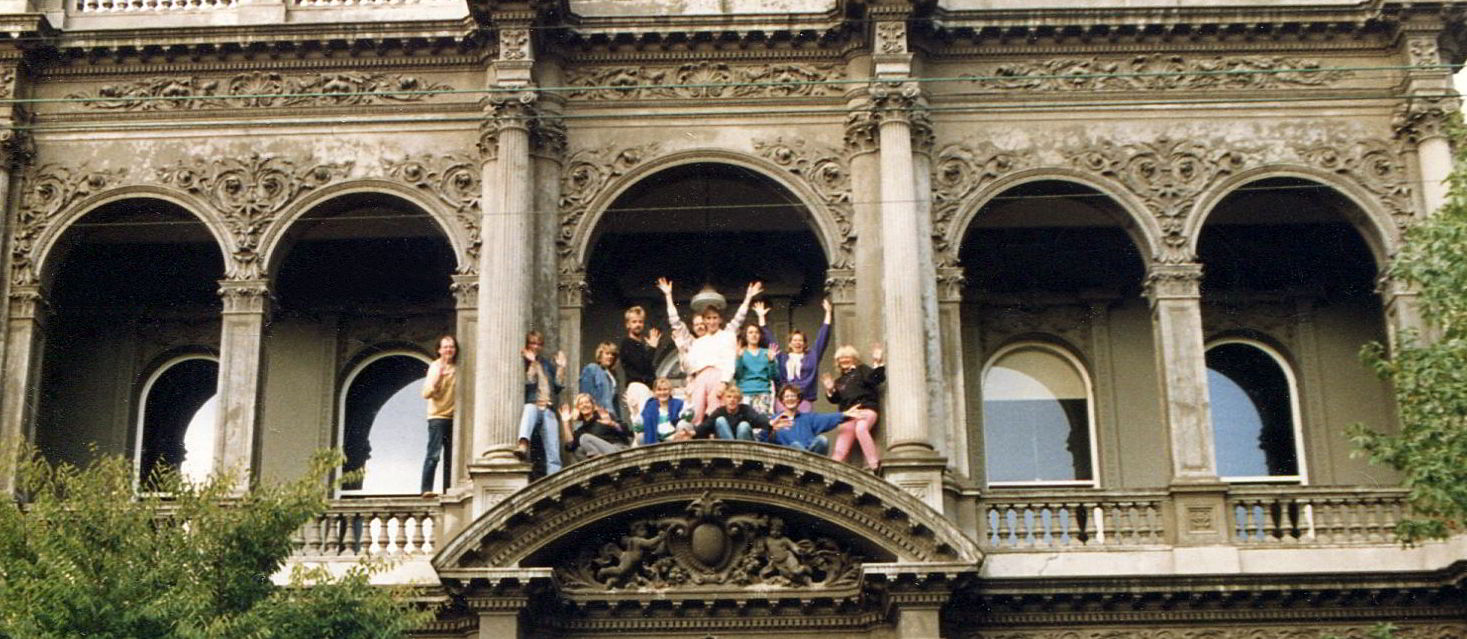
(891, 37)
(826, 172)
(250, 193)
(586, 174)
(708, 547)
(514, 44)
(259, 89)
(706, 79)
(1155, 72)
(46, 192)
(453, 180)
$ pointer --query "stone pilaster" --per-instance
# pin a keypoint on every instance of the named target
(1402, 305)
(864, 276)
(24, 342)
(1422, 118)
(465, 289)
(241, 347)
(952, 382)
(1198, 497)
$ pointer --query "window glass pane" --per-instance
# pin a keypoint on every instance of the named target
(387, 427)
(1036, 419)
(179, 420)
(1252, 413)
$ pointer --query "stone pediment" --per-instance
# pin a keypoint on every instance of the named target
(709, 521)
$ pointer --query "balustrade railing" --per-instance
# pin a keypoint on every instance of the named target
(1295, 515)
(1058, 519)
(354, 527)
(149, 6)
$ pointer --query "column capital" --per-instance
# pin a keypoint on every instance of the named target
(861, 135)
(840, 285)
(950, 280)
(572, 286)
(17, 148)
(27, 302)
(245, 296)
(465, 289)
(1173, 281)
(1424, 118)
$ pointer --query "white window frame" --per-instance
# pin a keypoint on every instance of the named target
(142, 416)
(1079, 366)
(1295, 414)
(351, 377)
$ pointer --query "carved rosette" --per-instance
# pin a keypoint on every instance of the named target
(259, 89)
(1167, 175)
(708, 548)
(1157, 72)
(1376, 165)
(586, 175)
(250, 193)
(958, 172)
(48, 191)
(705, 79)
(827, 174)
(452, 179)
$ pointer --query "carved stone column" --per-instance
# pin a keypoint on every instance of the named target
(864, 278)
(241, 347)
(1176, 322)
(952, 383)
(24, 342)
(1421, 121)
(465, 289)
(571, 297)
(1402, 307)
(841, 286)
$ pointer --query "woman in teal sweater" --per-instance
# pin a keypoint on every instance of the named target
(754, 370)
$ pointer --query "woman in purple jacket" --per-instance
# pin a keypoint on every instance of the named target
(799, 366)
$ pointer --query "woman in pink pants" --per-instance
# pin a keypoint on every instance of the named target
(857, 392)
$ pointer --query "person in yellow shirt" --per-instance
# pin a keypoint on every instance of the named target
(438, 389)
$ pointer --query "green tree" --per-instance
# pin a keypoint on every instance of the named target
(1428, 373)
(87, 556)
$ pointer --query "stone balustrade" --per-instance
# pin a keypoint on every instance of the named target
(148, 6)
(1059, 519)
(396, 527)
(1308, 515)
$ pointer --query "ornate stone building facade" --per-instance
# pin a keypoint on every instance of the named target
(1121, 258)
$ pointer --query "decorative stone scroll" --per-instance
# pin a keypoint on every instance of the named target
(1374, 164)
(958, 172)
(259, 89)
(1167, 175)
(700, 80)
(47, 191)
(1158, 72)
(709, 547)
(453, 180)
(825, 171)
(250, 193)
(514, 44)
(586, 175)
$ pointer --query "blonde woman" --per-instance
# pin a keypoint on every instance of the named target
(857, 391)
(597, 380)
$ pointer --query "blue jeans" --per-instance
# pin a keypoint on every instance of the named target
(745, 431)
(549, 433)
(440, 442)
(820, 445)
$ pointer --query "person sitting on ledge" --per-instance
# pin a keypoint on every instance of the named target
(805, 431)
(662, 415)
(857, 392)
(590, 430)
(734, 419)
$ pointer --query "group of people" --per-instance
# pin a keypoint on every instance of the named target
(740, 385)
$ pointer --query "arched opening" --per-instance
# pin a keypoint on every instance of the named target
(702, 223)
(356, 276)
(1054, 262)
(1037, 418)
(1254, 413)
(1285, 264)
(129, 283)
(177, 426)
(382, 431)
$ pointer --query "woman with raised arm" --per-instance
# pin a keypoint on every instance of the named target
(799, 365)
(591, 430)
(857, 392)
(709, 361)
(754, 370)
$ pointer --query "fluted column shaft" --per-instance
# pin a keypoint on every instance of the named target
(902, 307)
(241, 348)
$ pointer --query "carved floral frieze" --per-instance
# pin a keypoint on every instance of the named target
(259, 89)
(250, 192)
(708, 546)
(1158, 72)
(699, 80)
(1374, 164)
(958, 172)
(455, 181)
(47, 191)
(1069, 322)
(586, 175)
(825, 171)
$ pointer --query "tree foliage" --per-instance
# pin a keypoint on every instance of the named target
(1428, 373)
(87, 556)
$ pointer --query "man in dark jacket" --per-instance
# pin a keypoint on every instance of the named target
(733, 419)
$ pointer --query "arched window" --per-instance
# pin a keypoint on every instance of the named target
(1037, 423)
(1254, 412)
(178, 418)
(384, 424)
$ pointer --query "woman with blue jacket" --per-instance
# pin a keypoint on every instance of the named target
(662, 415)
(798, 366)
(598, 382)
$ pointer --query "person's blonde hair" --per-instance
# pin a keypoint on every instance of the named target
(635, 311)
(730, 388)
(848, 351)
(661, 381)
(604, 348)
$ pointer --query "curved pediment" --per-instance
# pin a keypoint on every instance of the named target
(708, 515)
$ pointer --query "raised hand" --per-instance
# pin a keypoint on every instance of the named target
(825, 304)
(560, 360)
(761, 309)
(877, 354)
(565, 414)
(653, 336)
(665, 285)
(756, 287)
(529, 355)
(827, 381)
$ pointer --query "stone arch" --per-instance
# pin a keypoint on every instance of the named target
(828, 225)
(272, 240)
(1370, 219)
(1138, 223)
(902, 527)
(45, 242)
